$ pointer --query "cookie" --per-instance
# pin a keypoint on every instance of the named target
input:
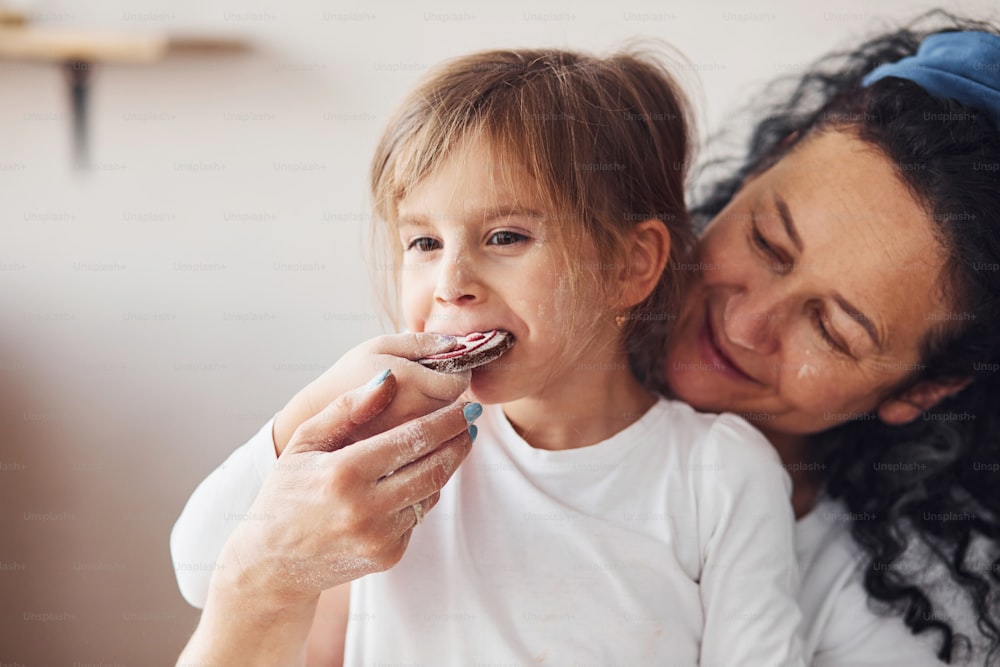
(474, 349)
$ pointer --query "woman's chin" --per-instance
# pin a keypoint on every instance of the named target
(692, 386)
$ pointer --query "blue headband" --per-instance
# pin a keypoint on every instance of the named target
(962, 66)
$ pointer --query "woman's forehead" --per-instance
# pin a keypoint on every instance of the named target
(843, 194)
(855, 229)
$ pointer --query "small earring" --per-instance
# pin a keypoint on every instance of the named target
(620, 320)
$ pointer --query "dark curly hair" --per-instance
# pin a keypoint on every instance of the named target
(930, 485)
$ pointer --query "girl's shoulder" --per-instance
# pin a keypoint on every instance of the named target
(716, 437)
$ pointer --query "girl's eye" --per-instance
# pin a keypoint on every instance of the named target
(423, 244)
(506, 238)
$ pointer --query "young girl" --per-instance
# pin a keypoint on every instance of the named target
(541, 193)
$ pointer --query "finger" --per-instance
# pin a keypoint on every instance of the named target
(334, 426)
(408, 348)
(382, 454)
(394, 531)
(401, 528)
(414, 346)
(412, 515)
(437, 386)
(425, 477)
(431, 500)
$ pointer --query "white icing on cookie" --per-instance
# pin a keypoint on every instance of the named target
(472, 350)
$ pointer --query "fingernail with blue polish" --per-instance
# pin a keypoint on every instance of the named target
(472, 412)
(473, 432)
(378, 379)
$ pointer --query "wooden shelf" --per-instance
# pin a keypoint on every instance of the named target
(79, 50)
(62, 45)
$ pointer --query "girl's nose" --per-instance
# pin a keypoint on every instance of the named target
(456, 283)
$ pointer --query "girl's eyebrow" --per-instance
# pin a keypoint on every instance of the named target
(488, 214)
(492, 213)
(412, 221)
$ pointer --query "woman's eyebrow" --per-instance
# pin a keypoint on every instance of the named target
(861, 319)
(786, 219)
(852, 311)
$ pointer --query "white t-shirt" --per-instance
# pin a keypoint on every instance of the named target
(838, 629)
(669, 543)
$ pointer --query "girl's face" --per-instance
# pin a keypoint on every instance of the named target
(479, 254)
(817, 284)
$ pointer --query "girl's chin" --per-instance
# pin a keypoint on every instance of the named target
(490, 388)
(486, 395)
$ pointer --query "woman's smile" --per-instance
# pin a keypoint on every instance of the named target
(765, 329)
(714, 353)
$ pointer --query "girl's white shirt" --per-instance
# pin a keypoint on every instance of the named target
(669, 543)
(690, 515)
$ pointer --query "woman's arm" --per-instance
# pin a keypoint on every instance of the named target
(329, 628)
(214, 511)
(239, 628)
(328, 513)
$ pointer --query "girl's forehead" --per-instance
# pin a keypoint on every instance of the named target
(477, 177)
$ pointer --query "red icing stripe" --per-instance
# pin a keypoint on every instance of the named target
(468, 344)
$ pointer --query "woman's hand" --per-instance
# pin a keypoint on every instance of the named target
(326, 500)
(420, 390)
(335, 508)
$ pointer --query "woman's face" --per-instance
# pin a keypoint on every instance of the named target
(817, 285)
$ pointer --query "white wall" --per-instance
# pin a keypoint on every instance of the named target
(155, 311)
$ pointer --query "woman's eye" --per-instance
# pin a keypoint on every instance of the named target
(825, 333)
(423, 244)
(779, 261)
(506, 238)
(761, 242)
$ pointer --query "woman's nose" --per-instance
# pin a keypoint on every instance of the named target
(456, 281)
(748, 322)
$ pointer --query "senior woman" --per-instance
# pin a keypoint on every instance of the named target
(846, 302)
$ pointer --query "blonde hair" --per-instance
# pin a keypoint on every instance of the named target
(606, 141)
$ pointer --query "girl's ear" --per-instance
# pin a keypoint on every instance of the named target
(649, 250)
(918, 399)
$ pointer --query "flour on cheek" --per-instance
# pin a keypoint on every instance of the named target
(806, 371)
